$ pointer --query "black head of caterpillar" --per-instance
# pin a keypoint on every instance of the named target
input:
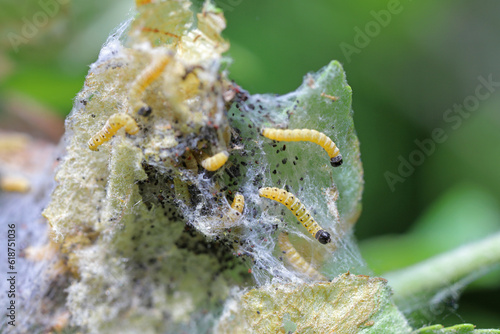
(145, 111)
(323, 237)
(336, 161)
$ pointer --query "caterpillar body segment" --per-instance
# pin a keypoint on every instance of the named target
(299, 210)
(236, 210)
(296, 260)
(307, 135)
(215, 162)
(114, 123)
(238, 203)
(150, 74)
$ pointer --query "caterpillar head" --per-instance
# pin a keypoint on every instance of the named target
(336, 161)
(323, 237)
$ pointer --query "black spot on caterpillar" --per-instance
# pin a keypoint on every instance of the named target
(299, 210)
(307, 135)
(114, 123)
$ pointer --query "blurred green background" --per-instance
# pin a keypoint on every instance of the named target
(405, 74)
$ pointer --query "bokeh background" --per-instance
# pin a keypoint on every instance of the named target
(406, 74)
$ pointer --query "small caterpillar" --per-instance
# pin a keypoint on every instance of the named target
(14, 184)
(215, 162)
(114, 123)
(238, 203)
(307, 135)
(331, 97)
(296, 260)
(150, 74)
(229, 219)
(237, 210)
(299, 210)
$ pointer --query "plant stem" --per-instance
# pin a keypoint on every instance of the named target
(428, 277)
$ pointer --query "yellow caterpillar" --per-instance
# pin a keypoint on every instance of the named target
(215, 162)
(114, 123)
(307, 135)
(14, 184)
(299, 210)
(150, 74)
(296, 260)
(238, 203)
(229, 219)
